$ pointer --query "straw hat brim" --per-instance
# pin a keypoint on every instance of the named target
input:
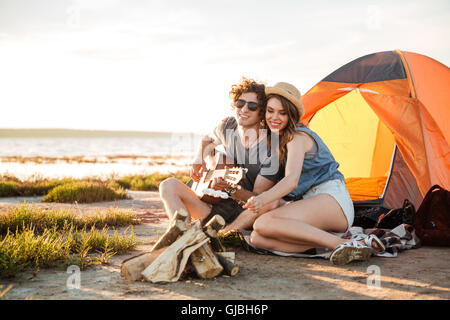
(297, 102)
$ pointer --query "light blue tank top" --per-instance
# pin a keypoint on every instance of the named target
(318, 167)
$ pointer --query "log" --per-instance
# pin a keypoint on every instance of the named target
(217, 245)
(175, 229)
(180, 214)
(205, 262)
(214, 225)
(229, 255)
(227, 262)
(170, 264)
(131, 268)
(211, 228)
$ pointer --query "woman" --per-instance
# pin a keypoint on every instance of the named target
(318, 200)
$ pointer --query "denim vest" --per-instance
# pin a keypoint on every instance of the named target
(317, 168)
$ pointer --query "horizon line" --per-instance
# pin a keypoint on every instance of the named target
(25, 131)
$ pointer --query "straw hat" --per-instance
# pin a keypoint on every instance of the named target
(290, 92)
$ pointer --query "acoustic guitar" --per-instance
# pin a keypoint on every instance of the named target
(203, 189)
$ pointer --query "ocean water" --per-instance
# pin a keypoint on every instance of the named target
(177, 151)
(70, 147)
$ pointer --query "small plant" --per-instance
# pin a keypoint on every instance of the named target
(82, 249)
(106, 253)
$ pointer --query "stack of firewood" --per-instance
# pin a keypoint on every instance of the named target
(182, 249)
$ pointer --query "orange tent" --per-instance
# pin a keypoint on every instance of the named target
(385, 118)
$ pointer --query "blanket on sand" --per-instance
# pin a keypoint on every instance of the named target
(396, 240)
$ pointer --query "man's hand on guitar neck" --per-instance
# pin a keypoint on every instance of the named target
(205, 150)
(197, 171)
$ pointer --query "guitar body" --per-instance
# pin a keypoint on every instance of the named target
(230, 175)
(198, 188)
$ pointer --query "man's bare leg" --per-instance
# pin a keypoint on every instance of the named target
(246, 218)
(176, 195)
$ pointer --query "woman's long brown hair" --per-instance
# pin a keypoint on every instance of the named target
(287, 134)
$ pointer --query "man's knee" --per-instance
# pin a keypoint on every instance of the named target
(168, 186)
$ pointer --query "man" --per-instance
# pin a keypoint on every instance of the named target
(241, 140)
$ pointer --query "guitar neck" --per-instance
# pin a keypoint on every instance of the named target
(217, 173)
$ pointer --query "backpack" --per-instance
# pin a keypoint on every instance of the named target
(366, 217)
(396, 217)
(432, 220)
(384, 218)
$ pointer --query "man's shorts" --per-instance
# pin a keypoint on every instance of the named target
(227, 208)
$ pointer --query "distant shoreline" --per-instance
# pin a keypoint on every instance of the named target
(152, 159)
(81, 133)
(25, 168)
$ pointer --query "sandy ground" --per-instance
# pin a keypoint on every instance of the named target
(422, 273)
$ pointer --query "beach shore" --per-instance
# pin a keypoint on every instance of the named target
(102, 167)
(421, 273)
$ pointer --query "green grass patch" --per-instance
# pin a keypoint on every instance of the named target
(39, 238)
(11, 186)
(84, 192)
(9, 189)
(149, 182)
(60, 248)
(25, 216)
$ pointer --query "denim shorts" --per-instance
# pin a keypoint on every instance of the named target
(338, 190)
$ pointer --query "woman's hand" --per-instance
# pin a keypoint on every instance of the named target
(255, 203)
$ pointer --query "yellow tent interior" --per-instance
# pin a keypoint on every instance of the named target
(359, 141)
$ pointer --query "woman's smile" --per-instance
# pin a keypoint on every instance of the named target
(276, 116)
(275, 124)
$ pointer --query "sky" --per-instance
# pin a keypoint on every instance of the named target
(168, 65)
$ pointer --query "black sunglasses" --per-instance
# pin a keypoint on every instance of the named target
(240, 103)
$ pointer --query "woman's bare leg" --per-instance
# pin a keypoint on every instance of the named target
(302, 222)
(273, 244)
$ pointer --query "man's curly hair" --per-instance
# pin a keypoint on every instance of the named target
(248, 85)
